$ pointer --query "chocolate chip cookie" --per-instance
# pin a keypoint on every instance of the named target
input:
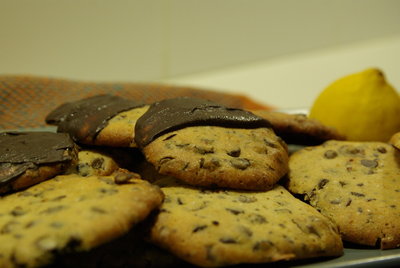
(211, 228)
(206, 144)
(356, 184)
(70, 213)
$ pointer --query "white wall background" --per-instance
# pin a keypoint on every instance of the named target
(194, 42)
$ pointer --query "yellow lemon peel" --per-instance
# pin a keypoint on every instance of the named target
(361, 106)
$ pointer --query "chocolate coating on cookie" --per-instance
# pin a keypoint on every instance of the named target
(20, 151)
(173, 114)
(87, 117)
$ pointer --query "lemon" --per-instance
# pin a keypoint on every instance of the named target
(361, 106)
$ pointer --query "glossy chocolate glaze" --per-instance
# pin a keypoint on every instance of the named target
(20, 151)
(87, 117)
(173, 114)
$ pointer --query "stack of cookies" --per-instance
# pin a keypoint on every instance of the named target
(181, 181)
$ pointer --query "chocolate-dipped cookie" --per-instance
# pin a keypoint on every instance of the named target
(99, 120)
(299, 129)
(206, 144)
(27, 158)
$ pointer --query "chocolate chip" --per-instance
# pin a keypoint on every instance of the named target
(216, 223)
(257, 218)
(211, 165)
(234, 153)
(170, 137)
(58, 198)
(18, 211)
(240, 163)
(330, 154)
(322, 183)
(52, 210)
(97, 163)
(8, 227)
(122, 178)
(311, 229)
(283, 210)
(234, 211)
(184, 145)
(164, 160)
(270, 144)
(179, 201)
(369, 163)
(228, 240)
(357, 194)
(335, 201)
(348, 202)
(246, 231)
(263, 245)
(30, 224)
(199, 228)
(203, 150)
(98, 210)
(209, 254)
(381, 150)
(108, 190)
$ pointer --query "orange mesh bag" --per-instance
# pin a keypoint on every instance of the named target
(26, 100)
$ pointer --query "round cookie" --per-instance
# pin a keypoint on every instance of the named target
(206, 144)
(27, 158)
(395, 140)
(71, 213)
(298, 128)
(251, 159)
(211, 228)
(99, 120)
(356, 184)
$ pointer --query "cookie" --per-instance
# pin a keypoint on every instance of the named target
(27, 158)
(99, 120)
(70, 213)
(211, 228)
(205, 144)
(93, 162)
(356, 184)
(299, 129)
(395, 140)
